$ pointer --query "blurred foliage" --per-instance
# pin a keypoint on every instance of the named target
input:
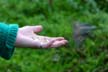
(57, 17)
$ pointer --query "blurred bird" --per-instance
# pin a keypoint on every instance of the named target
(81, 31)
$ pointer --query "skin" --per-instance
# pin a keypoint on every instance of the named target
(27, 37)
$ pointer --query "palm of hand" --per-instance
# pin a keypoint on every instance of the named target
(29, 38)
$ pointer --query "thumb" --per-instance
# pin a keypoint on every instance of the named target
(36, 29)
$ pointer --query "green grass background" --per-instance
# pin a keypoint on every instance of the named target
(57, 18)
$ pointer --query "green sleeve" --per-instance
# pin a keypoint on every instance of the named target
(8, 35)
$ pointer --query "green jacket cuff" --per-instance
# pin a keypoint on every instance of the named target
(8, 48)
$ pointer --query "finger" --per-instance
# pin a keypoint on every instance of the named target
(49, 44)
(59, 43)
(36, 29)
(58, 38)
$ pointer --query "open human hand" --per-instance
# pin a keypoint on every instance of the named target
(27, 37)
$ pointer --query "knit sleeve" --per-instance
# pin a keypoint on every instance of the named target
(8, 35)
